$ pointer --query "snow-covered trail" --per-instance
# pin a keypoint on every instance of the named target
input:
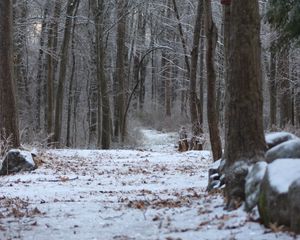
(150, 194)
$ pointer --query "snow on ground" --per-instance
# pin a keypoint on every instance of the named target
(121, 194)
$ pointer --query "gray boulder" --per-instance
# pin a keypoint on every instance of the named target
(253, 184)
(275, 138)
(17, 160)
(215, 179)
(294, 203)
(288, 149)
(273, 204)
(235, 179)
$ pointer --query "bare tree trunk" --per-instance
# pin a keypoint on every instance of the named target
(40, 77)
(119, 79)
(194, 109)
(297, 101)
(244, 138)
(9, 125)
(71, 86)
(103, 108)
(182, 38)
(21, 68)
(211, 39)
(273, 88)
(168, 90)
(201, 76)
(52, 48)
(284, 88)
(64, 57)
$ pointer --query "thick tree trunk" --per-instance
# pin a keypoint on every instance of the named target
(9, 125)
(244, 138)
(211, 40)
(64, 57)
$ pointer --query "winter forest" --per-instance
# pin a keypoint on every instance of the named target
(172, 119)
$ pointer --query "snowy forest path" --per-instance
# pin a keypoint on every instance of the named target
(151, 193)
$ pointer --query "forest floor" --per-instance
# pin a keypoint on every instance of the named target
(149, 193)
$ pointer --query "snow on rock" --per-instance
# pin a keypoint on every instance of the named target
(274, 206)
(253, 183)
(214, 176)
(17, 160)
(275, 138)
(288, 149)
(282, 173)
(143, 194)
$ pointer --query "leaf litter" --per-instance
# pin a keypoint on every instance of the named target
(150, 193)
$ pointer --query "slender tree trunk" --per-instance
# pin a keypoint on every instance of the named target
(201, 76)
(211, 39)
(297, 101)
(194, 110)
(120, 98)
(9, 124)
(71, 86)
(51, 66)
(40, 78)
(244, 137)
(104, 107)
(64, 57)
(182, 38)
(273, 88)
(284, 88)
(168, 88)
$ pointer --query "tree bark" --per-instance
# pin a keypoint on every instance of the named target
(64, 57)
(9, 125)
(194, 109)
(119, 79)
(244, 137)
(103, 108)
(52, 48)
(284, 88)
(211, 40)
(273, 88)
